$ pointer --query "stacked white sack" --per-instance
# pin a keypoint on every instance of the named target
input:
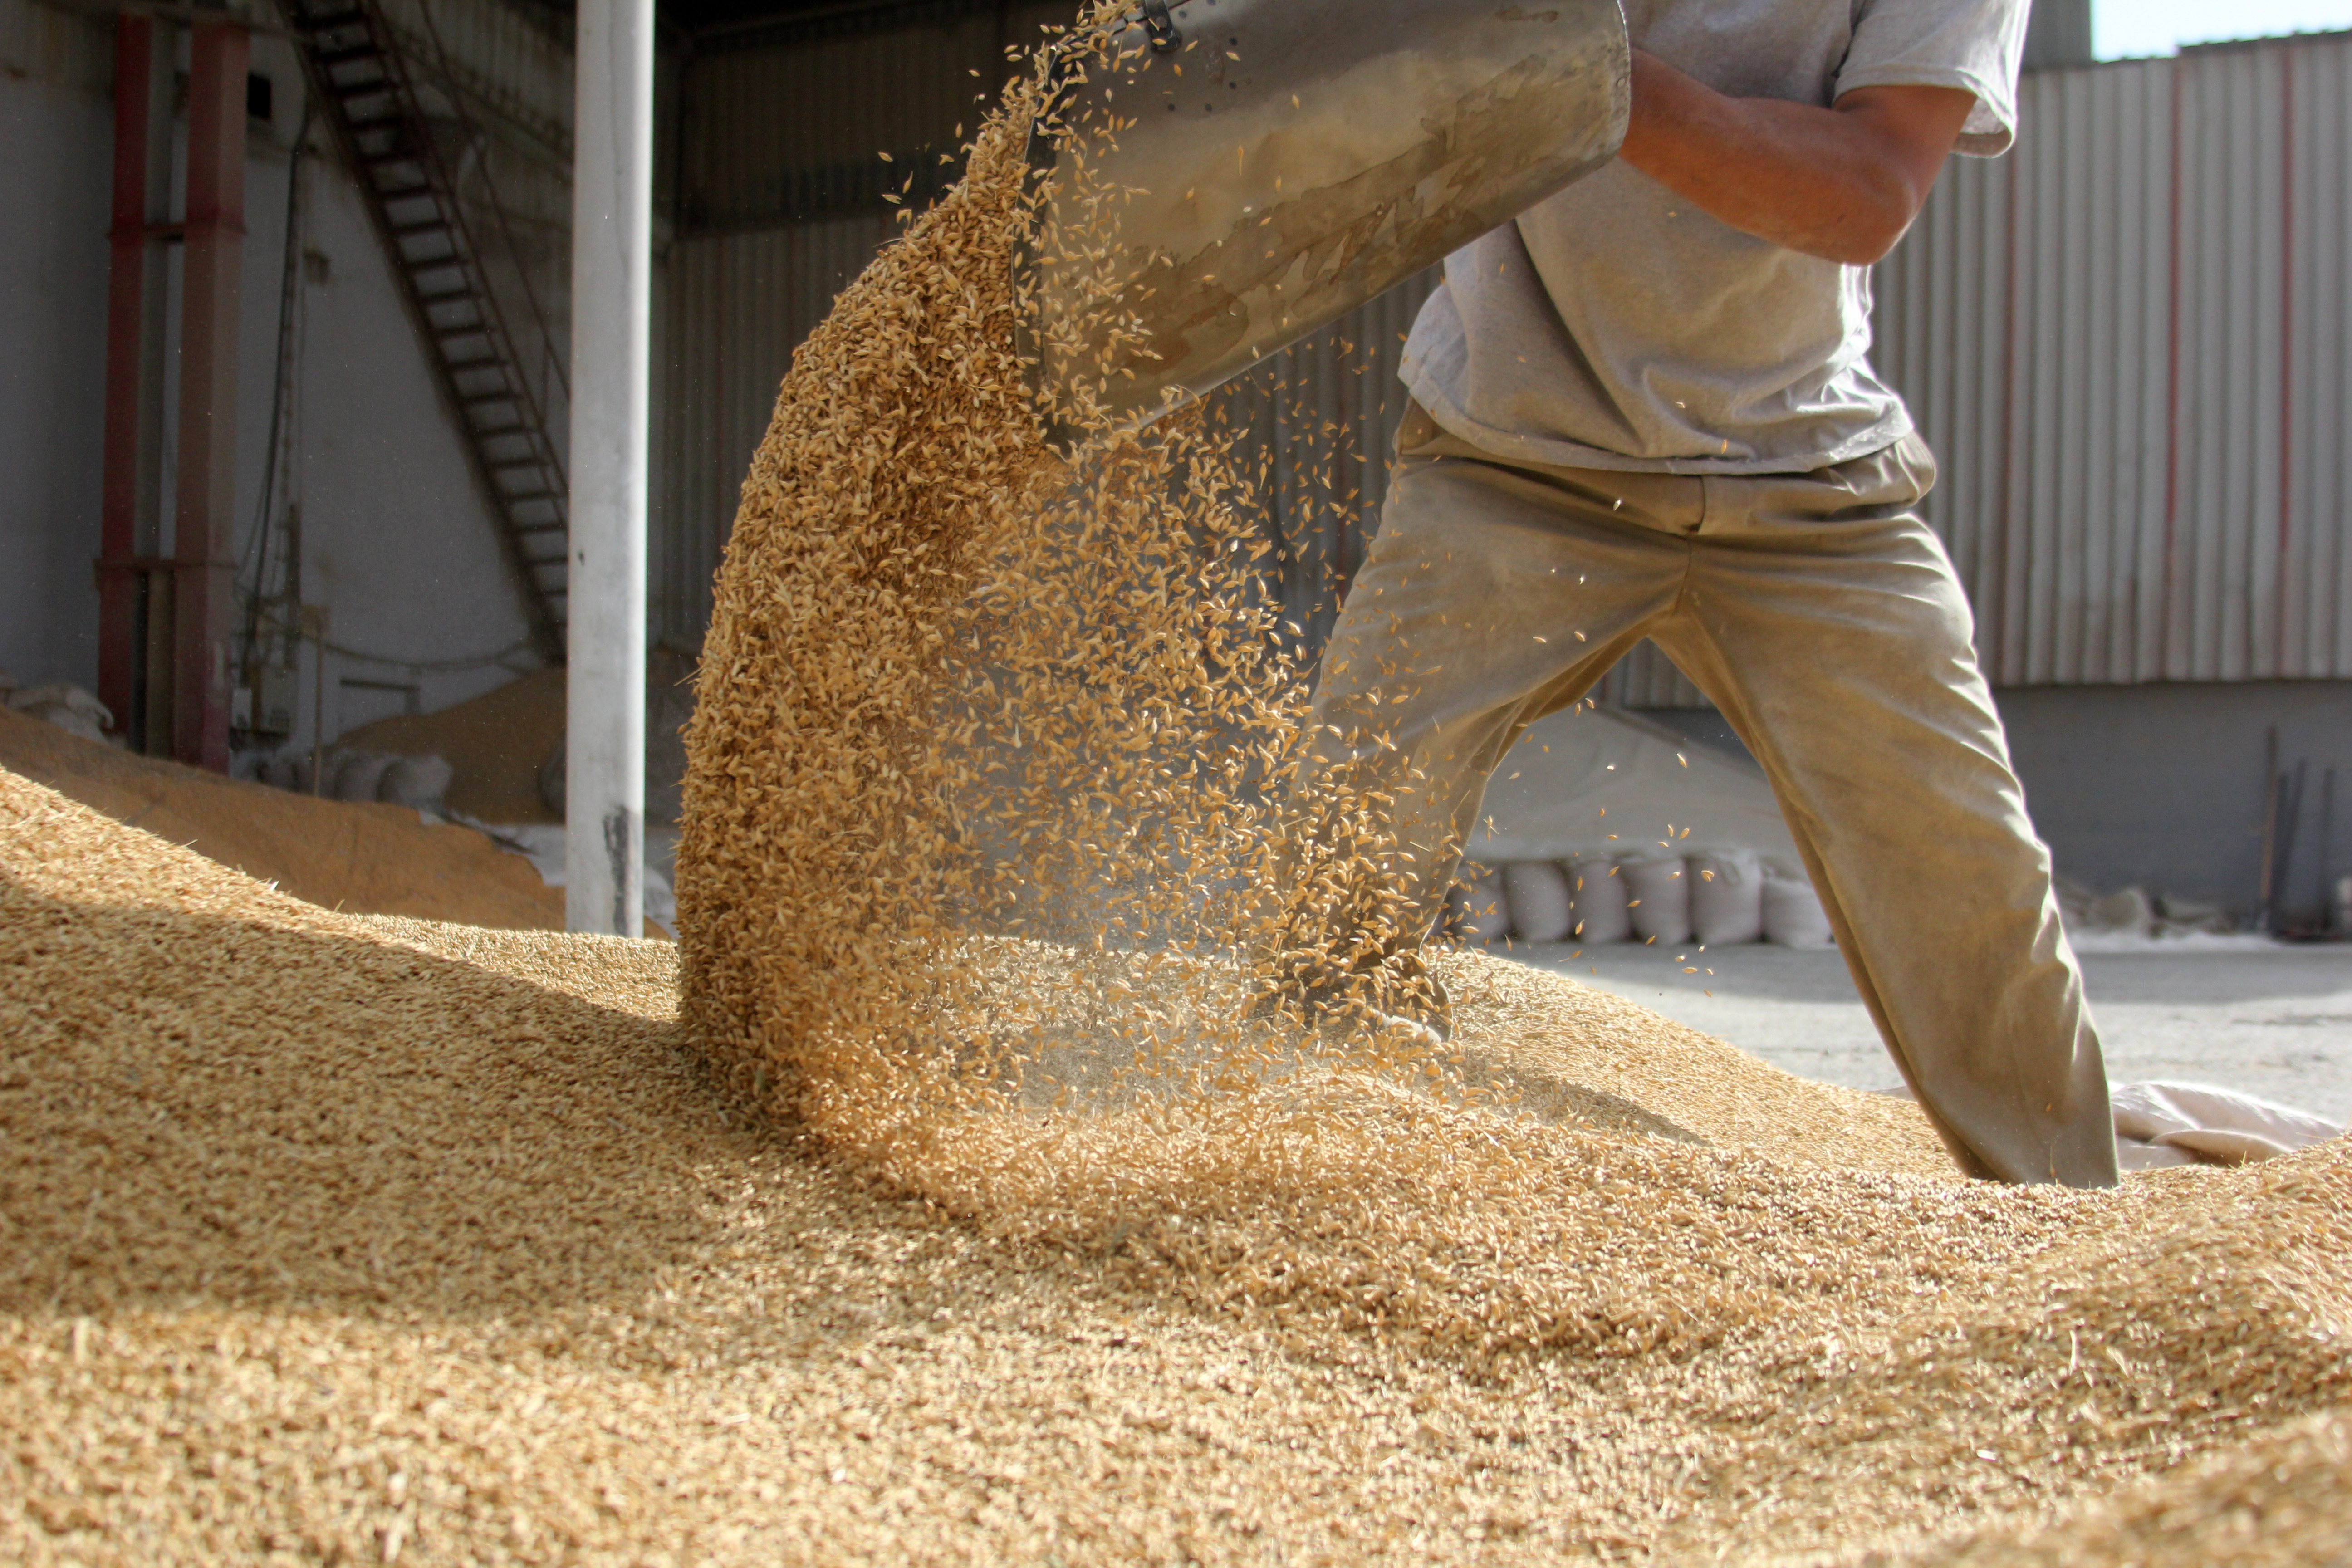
(1658, 896)
(1475, 909)
(418, 783)
(1715, 897)
(1600, 900)
(1726, 897)
(1536, 896)
(1793, 916)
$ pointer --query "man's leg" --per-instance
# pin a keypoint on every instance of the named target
(1491, 596)
(1825, 620)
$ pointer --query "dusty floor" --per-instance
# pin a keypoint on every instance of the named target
(2275, 1021)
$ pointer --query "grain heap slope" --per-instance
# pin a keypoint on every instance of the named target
(378, 859)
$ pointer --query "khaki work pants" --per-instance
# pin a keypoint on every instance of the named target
(1823, 617)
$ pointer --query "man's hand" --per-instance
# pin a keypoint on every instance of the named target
(1842, 183)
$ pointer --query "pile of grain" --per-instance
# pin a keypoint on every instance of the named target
(496, 745)
(2284, 1501)
(368, 858)
(368, 1241)
(505, 745)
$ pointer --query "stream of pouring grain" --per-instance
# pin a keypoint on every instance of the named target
(987, 790)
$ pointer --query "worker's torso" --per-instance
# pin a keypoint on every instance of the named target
(1616, 326)
(1748, 48)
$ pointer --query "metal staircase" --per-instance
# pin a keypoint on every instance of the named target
(357, 72)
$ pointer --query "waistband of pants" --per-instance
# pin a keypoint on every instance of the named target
(1886, 482)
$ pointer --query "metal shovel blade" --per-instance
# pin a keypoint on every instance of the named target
(1222, 177)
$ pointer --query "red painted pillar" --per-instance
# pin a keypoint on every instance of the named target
(119, 640)
(204, 600)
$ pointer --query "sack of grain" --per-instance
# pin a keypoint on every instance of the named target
(1792, 912)
(1726, 897)
(357, 775)
(553, 775)
(1480, 915)
(2128, 910)
(1536, 895)
(2207, 1122)
(1597, 896)
(324, 765)
(65, 705)
(416, 782)
(1657, 896)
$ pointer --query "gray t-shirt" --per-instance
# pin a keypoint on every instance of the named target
(1616, 326)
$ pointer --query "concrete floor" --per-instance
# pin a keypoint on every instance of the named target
(2271, 1020)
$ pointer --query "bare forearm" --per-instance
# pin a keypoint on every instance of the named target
(1842, 183)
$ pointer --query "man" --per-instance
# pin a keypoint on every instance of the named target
(1644, 409)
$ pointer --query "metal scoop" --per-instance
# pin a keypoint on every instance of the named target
(1283, 161)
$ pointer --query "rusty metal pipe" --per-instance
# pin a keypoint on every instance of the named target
(213, 246)
(127, 329)
(1281, 162)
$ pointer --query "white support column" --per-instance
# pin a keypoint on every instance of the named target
(611, 273)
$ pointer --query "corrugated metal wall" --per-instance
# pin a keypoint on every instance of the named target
(1320, 416)
(784, 120)
(775, 196)
(512, 62)
(2128, 344)
(733, 308)
(780, 189)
